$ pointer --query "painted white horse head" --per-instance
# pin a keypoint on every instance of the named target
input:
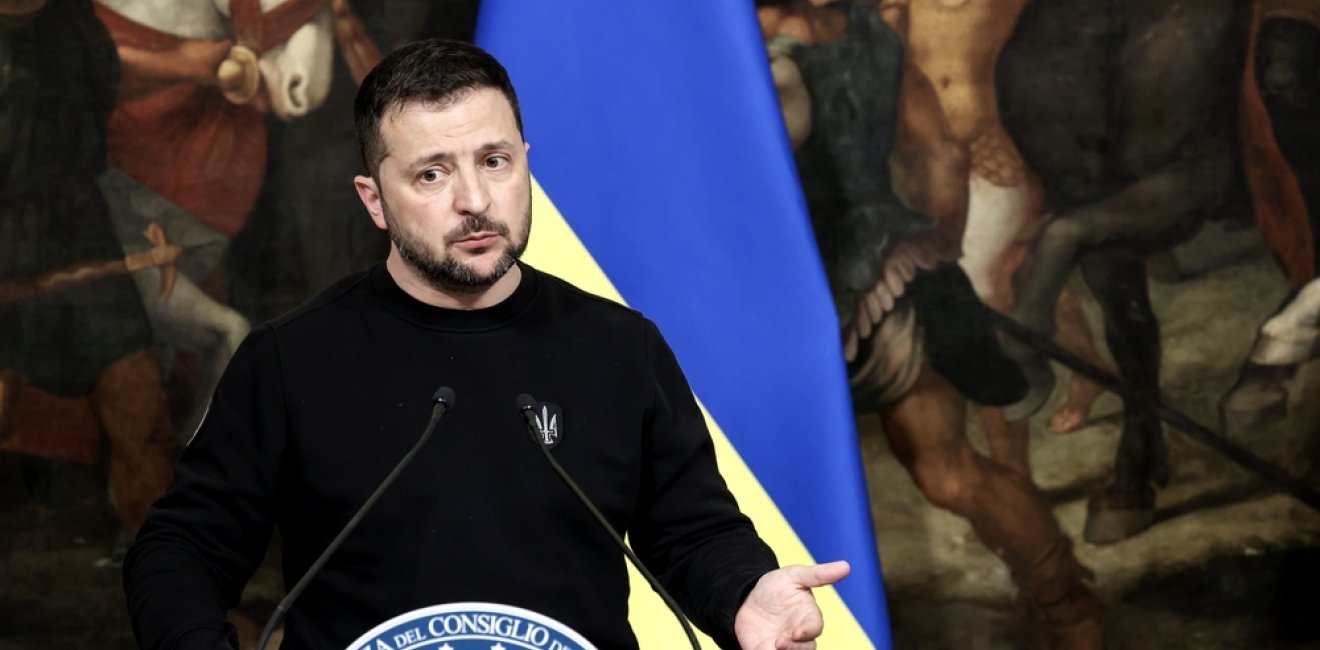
(293, 40)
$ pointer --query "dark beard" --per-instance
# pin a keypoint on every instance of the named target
(449, 274)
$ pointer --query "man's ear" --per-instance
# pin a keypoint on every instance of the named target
(369, 192)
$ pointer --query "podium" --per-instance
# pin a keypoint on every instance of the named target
(471, 626)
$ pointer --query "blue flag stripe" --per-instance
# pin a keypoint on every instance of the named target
(655, 129)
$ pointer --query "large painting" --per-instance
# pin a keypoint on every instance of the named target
(1070, 244)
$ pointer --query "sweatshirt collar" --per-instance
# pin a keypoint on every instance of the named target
(419, 313)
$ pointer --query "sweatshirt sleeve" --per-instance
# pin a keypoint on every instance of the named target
(689, 530)
(205, 537)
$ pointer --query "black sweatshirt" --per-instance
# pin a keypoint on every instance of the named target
(317, 407)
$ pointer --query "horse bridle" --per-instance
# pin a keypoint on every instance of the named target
(256, 32)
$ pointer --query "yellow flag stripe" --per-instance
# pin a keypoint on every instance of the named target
(555, 248)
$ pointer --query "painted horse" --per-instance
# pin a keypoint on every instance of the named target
(1128, 112)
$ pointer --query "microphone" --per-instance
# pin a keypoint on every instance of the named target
(443, 400)
(527, 407)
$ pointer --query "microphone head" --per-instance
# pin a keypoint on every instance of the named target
(444, 395)
(525, 402)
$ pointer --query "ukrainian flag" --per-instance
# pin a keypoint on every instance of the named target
(664, 179)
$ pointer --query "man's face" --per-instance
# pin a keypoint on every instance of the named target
(453, 190)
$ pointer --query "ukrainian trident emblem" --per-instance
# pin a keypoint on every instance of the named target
(548, 425)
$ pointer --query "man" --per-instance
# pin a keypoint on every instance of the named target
(74, 359)
(316, 408)
(916, 339)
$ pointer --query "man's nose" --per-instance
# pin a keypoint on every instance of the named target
(471, 193)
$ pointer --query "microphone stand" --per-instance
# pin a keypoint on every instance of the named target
(443, 399)
(526, 405)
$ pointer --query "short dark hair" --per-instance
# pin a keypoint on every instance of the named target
(437, 72)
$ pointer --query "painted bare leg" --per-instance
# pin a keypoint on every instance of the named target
(130, 403)
(1075, 335)
(1008, 441)
(925, 429)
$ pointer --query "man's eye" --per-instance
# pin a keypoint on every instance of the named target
(431, 175)
(496, 162)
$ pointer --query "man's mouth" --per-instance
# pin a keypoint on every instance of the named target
(478, 240)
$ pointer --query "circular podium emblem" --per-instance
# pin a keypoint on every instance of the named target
(471, 626)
